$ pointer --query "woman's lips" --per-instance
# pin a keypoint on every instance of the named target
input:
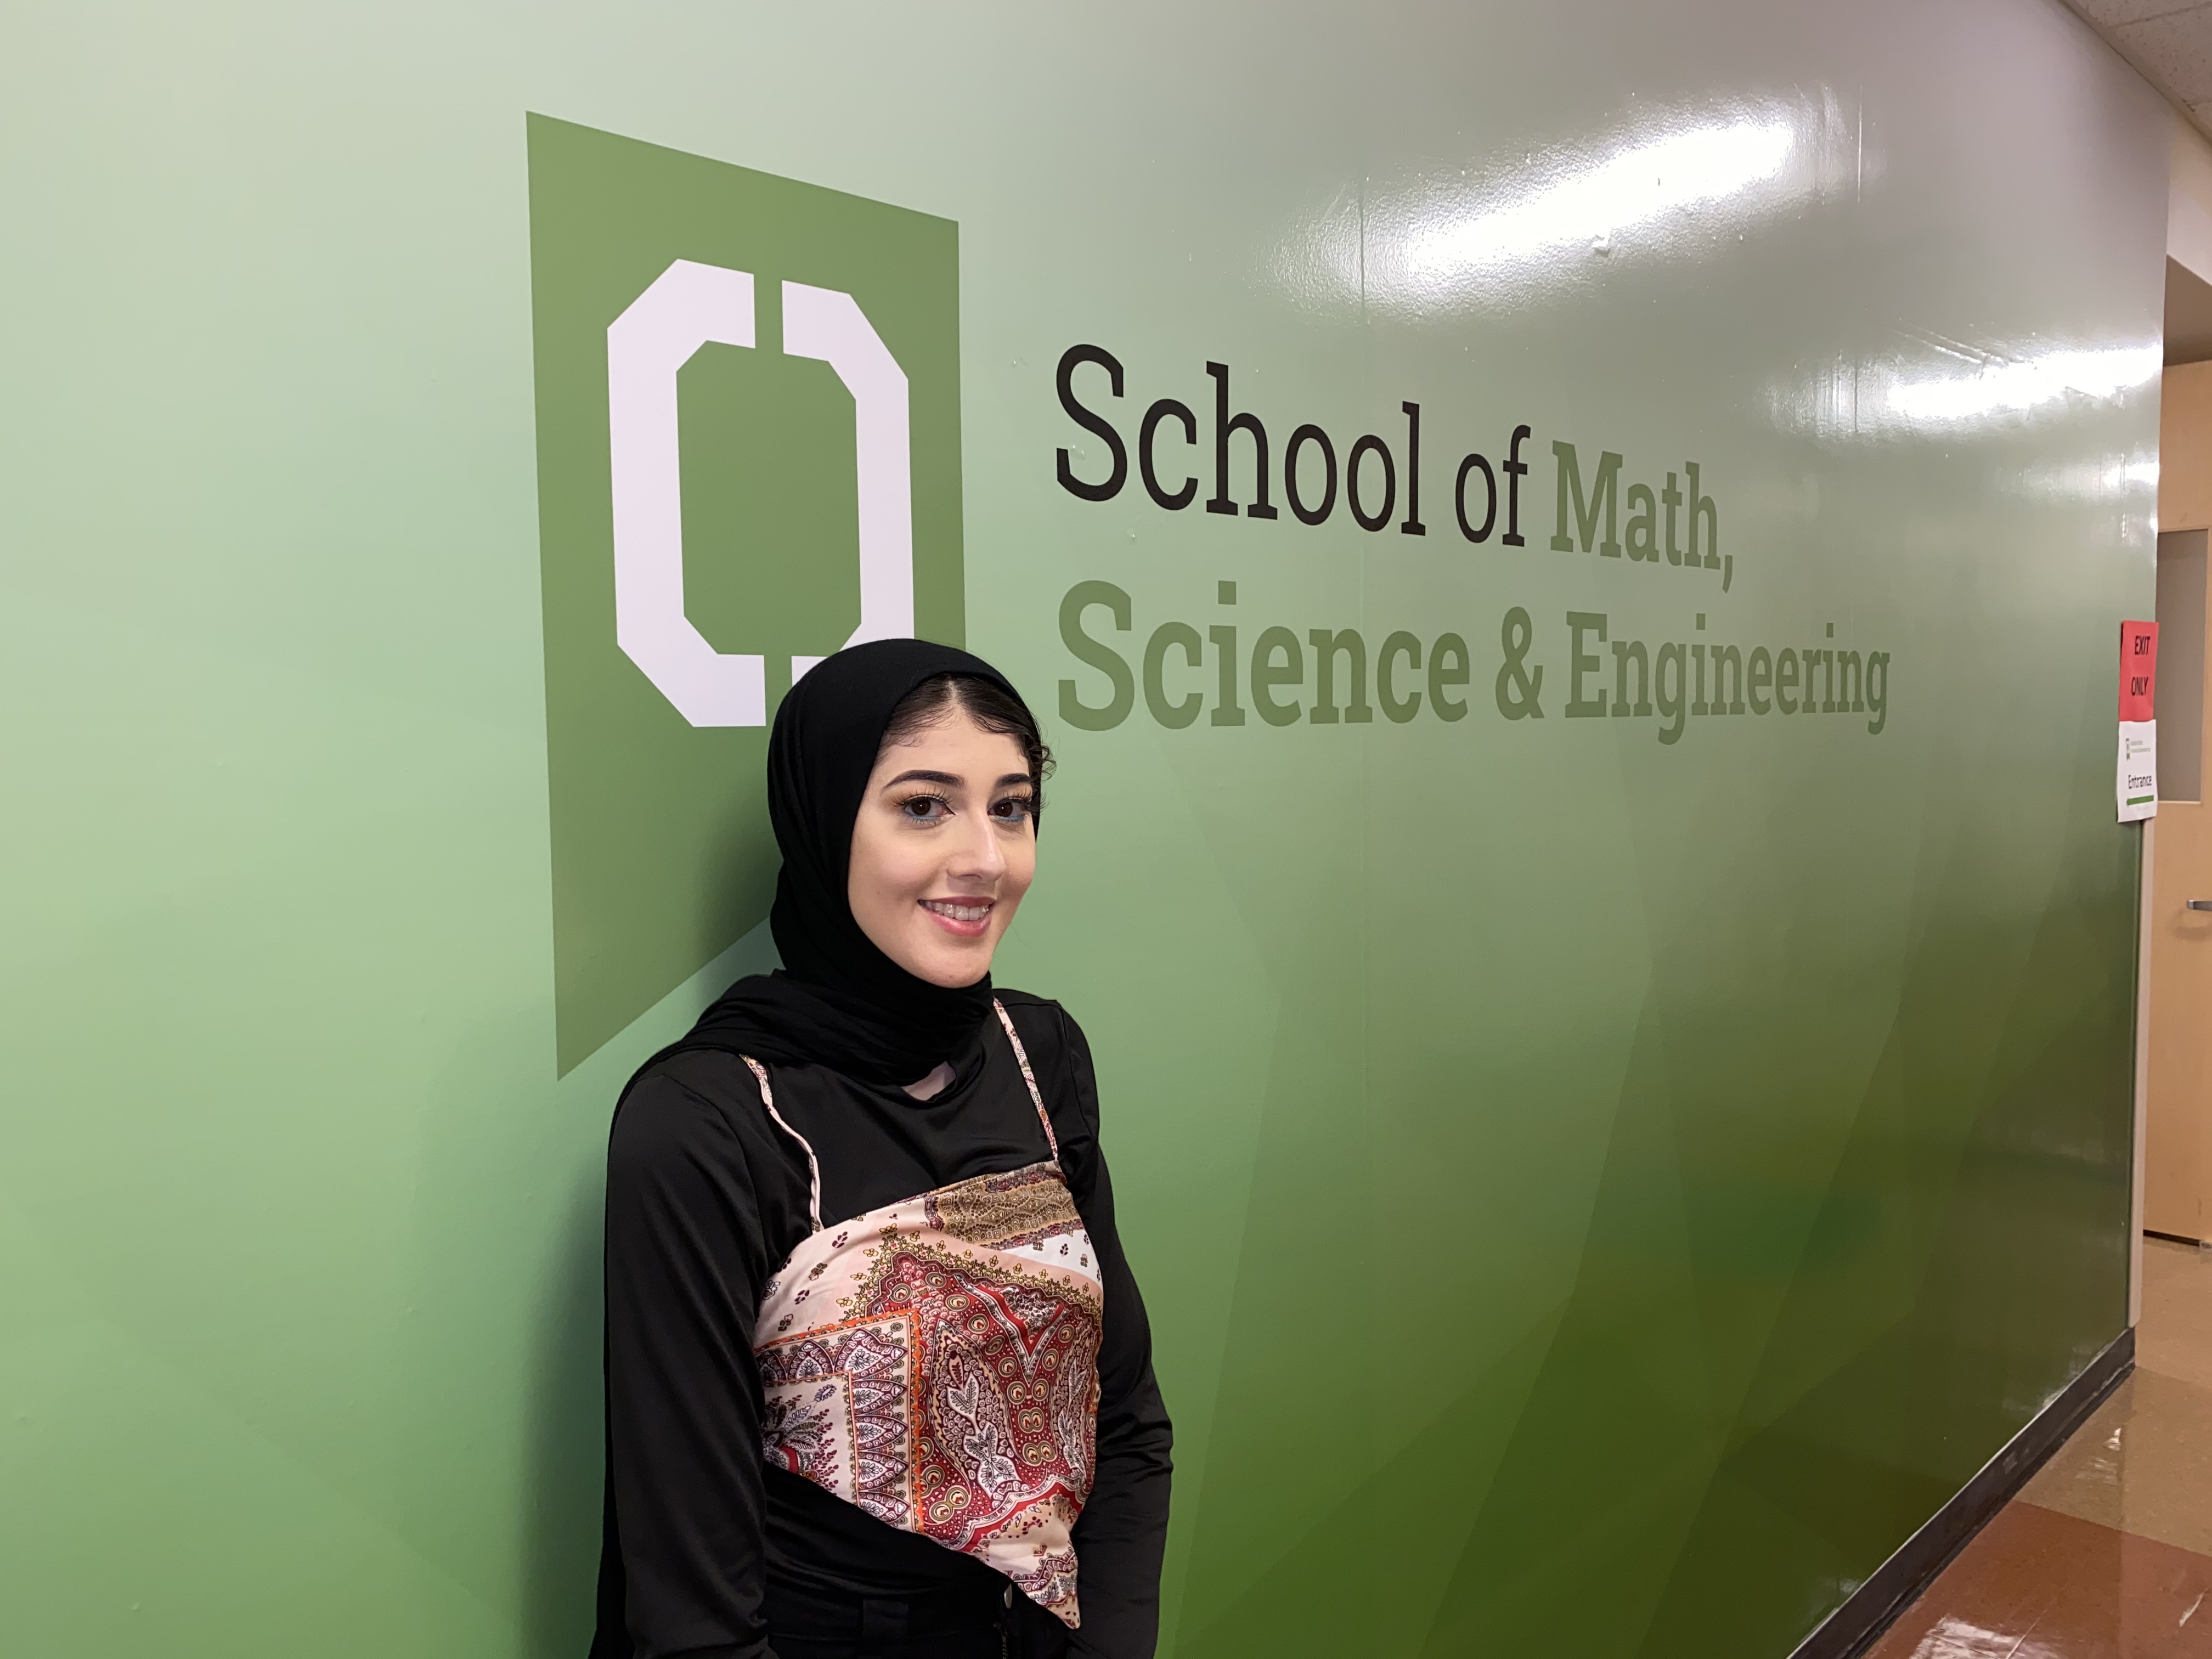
(965, 918)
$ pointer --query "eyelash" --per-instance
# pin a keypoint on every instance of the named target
(1023, 806)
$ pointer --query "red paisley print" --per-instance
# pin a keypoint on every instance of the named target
(935, 1363)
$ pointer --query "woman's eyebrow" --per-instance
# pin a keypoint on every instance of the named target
(1013, 777)
(945, 778)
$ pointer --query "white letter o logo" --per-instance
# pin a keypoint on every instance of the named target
(688, 306)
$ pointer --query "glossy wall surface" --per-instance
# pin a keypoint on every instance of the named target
(1602, 1179)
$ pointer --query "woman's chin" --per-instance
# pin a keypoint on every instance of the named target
(953, 970)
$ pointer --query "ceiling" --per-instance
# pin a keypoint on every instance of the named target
(2170, 43)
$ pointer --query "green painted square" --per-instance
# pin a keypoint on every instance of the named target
(661, 853)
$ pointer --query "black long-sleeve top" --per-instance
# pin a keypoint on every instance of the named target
(706, 1198)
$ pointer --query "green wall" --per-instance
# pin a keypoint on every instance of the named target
(1596, 1194)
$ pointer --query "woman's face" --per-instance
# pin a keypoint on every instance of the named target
(944, 848)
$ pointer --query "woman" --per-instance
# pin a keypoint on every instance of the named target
(879, 1381)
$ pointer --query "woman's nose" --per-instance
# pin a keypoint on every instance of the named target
(978, 854)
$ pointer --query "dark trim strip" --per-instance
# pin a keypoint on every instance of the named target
(2174, 1239)
(1853, 1627)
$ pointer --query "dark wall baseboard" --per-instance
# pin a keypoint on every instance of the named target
(1852, 1628)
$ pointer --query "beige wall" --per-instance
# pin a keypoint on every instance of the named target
(2184, 445)
(2189, 202)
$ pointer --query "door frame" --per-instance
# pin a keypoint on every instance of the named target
(2146, 883)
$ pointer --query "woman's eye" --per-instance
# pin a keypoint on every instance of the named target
(1012, 810)
(924, 809)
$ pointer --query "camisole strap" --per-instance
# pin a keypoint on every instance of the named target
(1028, 1077)
(814, 1164)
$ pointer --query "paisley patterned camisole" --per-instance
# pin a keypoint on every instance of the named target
(935, 1362)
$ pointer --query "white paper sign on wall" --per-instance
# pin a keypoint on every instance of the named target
(2138, 780)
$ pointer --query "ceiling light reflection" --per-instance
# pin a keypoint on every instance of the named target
(2007, 388)
(1857, 399)
(2106, 481)
(1676, 185)
(1586, 207)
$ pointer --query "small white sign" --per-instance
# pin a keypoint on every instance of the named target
(2138, 780)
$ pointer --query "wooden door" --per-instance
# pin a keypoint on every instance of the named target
(2178, 1139)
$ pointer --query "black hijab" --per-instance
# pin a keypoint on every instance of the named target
(838, 1000)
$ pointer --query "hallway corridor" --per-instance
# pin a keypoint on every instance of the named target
(2107, 1552)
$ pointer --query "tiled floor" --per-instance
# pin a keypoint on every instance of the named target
(2107, 1552)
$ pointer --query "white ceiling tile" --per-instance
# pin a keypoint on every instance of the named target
(2176, 49)
(2107, 13)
